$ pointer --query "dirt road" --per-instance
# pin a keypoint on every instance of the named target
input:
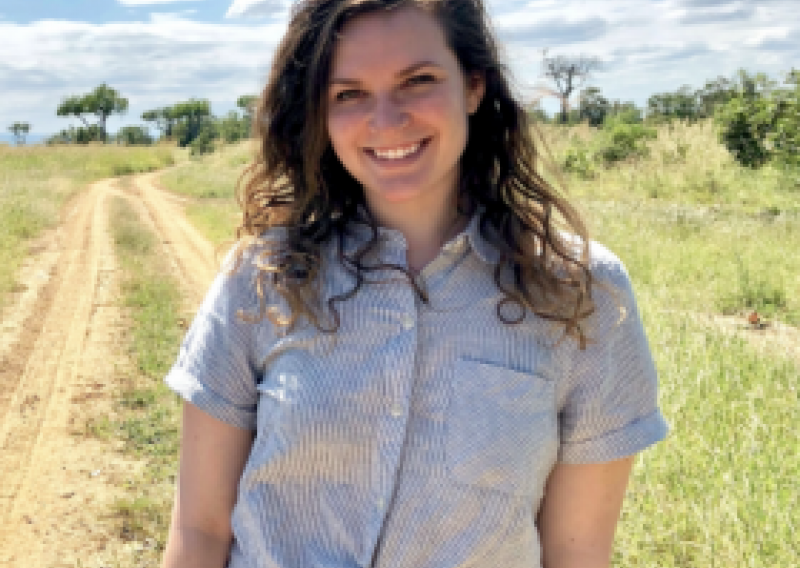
(61, 358)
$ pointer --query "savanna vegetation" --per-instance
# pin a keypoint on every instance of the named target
(36, 181)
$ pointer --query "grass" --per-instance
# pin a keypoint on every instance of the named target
(699, 233)
(148, 413)
(210, 183)
(36, 181)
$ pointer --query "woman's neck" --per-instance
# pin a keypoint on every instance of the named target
(425, 228)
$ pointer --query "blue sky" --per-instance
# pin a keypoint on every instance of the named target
(158, 52)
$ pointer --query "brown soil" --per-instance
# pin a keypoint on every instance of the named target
(63, 361)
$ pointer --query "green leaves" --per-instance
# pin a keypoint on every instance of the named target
(762, 123)
(102, 102)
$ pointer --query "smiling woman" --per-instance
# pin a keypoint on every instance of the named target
(417, 358)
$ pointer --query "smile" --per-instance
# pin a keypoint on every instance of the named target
(400, 153)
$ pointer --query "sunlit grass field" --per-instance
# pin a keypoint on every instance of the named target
(36, 181)
(699, 235)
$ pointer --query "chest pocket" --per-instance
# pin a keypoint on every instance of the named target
(502, 431)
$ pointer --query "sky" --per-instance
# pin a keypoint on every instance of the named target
(159, 52)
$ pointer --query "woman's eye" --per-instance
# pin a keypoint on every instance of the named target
(350, 94)
(421, 79)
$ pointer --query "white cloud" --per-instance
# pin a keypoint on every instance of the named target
(152, 63)
(256, 8)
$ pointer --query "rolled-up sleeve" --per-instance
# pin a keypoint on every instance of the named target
(608, 406)
(216, 368)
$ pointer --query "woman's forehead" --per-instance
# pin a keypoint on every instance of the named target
(389, 42)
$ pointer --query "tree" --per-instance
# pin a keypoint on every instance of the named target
(234, 127)
(593, 106)
(191, 118)
(102, 102)
(681, 105)
(20, 130)
(568, 74)
(753, 123)
(163, 119)
(248, 105)
(134, 136)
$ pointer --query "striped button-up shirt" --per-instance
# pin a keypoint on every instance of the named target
(419, 435)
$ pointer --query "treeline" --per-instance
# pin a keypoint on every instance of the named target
(188, 123)
(758, 120)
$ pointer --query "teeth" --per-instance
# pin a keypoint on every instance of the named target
(397, 153)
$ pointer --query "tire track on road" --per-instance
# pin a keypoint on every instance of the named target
(54, 482)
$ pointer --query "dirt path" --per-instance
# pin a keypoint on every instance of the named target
(62, 359)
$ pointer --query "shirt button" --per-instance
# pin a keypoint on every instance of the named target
(380, 503)
(408, 322)
(397, 410)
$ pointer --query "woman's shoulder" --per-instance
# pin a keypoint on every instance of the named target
(603, 263)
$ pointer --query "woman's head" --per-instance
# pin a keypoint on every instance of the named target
(313, 170)
(294, 115)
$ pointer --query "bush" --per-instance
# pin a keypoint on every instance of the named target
(578, 160)
(203, 144)
(621, 141)
(744, 123)
(134, 136)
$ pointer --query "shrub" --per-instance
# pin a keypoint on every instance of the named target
(203, 144)
(578, 160)
(621, 141)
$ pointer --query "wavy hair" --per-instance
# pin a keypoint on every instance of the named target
(297, 182)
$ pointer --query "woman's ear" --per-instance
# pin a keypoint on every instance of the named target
(476, 88)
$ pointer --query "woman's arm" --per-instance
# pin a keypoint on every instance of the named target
(212, 458)
(579, 513)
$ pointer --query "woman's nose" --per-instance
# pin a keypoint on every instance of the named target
(388, 115)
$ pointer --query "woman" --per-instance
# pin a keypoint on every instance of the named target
(410, 364)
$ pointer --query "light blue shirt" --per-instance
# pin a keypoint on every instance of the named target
(417, 436)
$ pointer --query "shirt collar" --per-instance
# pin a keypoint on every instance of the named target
(359, 232)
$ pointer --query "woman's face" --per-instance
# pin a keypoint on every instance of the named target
(398, 105)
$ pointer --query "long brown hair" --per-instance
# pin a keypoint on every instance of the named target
(297, 182)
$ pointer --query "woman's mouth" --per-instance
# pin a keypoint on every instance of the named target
(399, 154)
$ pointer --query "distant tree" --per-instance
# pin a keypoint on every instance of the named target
(80, 135)
(753, 123)
(568, 74)
(203, 143)
(20, 130)
(624, 112)
(234, 127)
(102, 102)
(191, 117)
(681, 104)
(593, 106)
(248, 105)
(162, 118)
(134, 136)
(714, 93)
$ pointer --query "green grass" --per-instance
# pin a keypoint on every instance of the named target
(210, 183)
(36, 181)
(148, 413)
(698, 233)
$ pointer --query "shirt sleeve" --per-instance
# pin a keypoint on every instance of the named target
(215, 369)
(608, 406)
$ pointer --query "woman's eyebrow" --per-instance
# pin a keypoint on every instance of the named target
(407, 71)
